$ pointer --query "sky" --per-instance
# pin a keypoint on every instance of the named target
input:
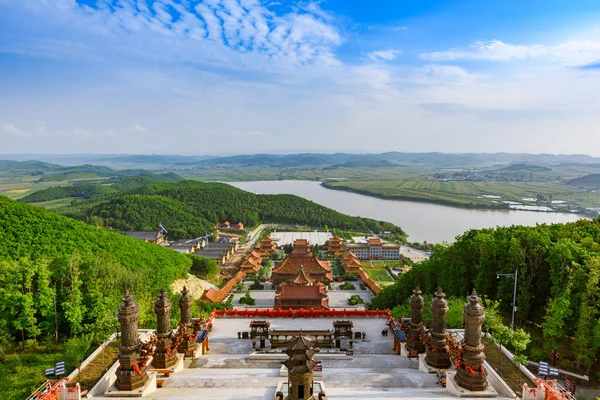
(249, 76)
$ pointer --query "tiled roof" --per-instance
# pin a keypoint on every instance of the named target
(144, 235)
(374, 241)
(311, 264)
(300, 292)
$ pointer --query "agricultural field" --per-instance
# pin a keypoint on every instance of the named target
(378, 274)
(468, 194)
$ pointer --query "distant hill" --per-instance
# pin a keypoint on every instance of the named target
(526, 168)
(365, 164)
(26, 166)
(88, 171)
(84, 190)
(591, 181)
(434, 159)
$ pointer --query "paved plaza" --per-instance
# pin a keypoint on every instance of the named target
(231, 370)
(283, 238)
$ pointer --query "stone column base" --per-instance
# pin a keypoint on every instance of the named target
(423, 366)
(453, 388)
(148, 388)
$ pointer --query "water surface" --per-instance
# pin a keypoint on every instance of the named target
(422, 221)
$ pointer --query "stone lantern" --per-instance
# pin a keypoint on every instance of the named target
(129, 374)
(437, 356)
(186, 346)
(413, 341)
(163, 357)
(300, 367)
(471, 375)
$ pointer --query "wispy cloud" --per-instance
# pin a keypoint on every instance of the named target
(7, 129)
(384, 55)
(575, 52)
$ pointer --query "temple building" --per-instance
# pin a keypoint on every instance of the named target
(302, 291)
(350, 263)
(374, 249)
(252, 263)
(157, 237)
(301, 255)
(336, 246)
(227, 226)
(266, 246)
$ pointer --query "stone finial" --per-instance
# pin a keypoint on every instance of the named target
(437, 356)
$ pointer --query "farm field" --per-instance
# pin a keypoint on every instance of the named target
(467, 194)
(378, 274)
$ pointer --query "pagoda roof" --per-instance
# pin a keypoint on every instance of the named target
(302, 278)
(266, 239)
(300, 343)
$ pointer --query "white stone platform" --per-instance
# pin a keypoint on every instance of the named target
(144, 391)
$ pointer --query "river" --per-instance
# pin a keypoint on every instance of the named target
(422, 221)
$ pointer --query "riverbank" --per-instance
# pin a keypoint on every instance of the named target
(463, 195)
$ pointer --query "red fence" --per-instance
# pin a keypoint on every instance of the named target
(278, 313)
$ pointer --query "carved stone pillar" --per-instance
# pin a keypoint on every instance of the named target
(163, 357)
(437, 357)
(129, 348)
(413, 341)
(472, 376)
(186, 346)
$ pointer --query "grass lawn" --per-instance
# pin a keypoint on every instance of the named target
(394, 263)
(98, 367)
(379, 264)
(22, 372)
(366, 263)
(378, 274)
(506, 368)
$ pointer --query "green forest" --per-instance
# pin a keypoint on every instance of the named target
(558, 282)
(61, 280)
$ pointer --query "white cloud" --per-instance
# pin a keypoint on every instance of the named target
(384, 55)
(137, 128)
(7, 129)
(398, 28)
(576, 52)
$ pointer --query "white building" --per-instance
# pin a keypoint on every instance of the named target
(374, 249)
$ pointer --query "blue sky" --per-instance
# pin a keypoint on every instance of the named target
(248, 76)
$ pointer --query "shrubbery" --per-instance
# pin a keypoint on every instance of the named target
(247, 299)
(347, 286)
(355, 300)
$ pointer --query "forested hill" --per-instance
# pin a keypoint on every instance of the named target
(44, 254)
(558, 279)
(220, 202)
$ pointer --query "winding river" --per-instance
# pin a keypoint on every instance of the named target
(422, 221)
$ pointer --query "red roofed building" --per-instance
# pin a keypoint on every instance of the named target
(252, 263)
(336, 246)
(301, 255)
(351, 263)
(302, 292)
(266, 246)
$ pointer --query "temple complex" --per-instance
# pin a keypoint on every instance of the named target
(336, 246)
(302, 292)
(252, 263)
(266, 246)
(301, 255)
